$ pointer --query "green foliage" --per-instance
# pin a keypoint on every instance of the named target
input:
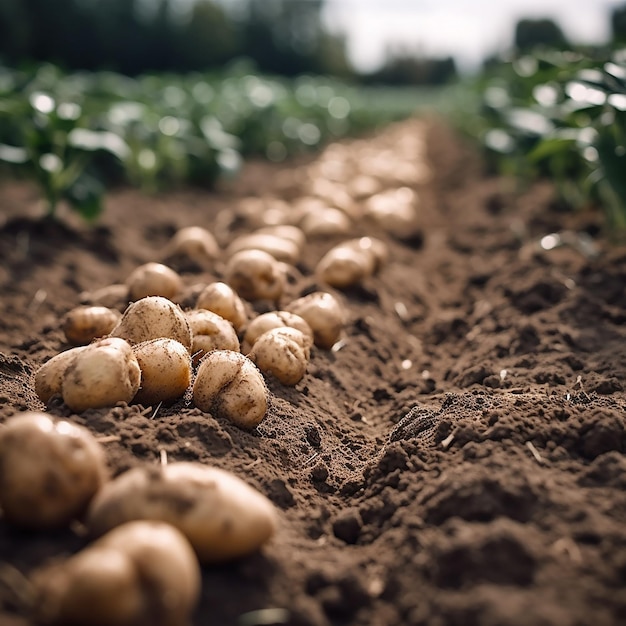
(561, 115)
(78, 133)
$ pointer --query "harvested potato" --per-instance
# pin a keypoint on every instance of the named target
(280, 248)
(325, 222)
(323, 313)
(255, 275)
(194, 243)
(153, 279)
(273, 319)
(143, 573)
(49, 470)
(112, 297)
(49, 377)
(230, 385)
(376, 248)
(104, 373)
(210, 331)
(282, 352)
(165, 370)
(222, 516)
(223, 300)
(395, 211)
(285, 231)
(343, 267)
(153, 317)
(86, 323)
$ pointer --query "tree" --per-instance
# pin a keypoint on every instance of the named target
(542, 32)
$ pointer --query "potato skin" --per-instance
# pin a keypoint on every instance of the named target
(86, 323)
(222, 299)
(153, 317)
(210, 331)
(165, 370)
(49, 377)
(230, 385)
(273, 319)
(324, 314)
(255, 275)
(153, 279)
(221, 515)
(49, 470)
(104, 373)
(143, 573)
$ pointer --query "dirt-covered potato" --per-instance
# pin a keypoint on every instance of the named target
(223, 300)
(255, 275)
(49, 377)
(324, 314)
(86, 323)
(327, 222)
(153, 279)
(112, 297)
(49, 470)
(285, 231)
(153, 317)
(194, 243)
(395, 211)
(282, 352)
(210, 331)
(104, 373)
(273, 319)
(230, 385)
(165, 370)
(343, 267)
(143, 573)
(221, 515)
(280, 248)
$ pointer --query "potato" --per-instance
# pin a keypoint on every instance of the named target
(153, 279)
(395, 211)
(285, 231)
(210, 331)
(194, 243)
(222, 299)
(143, 573)
(280, 248)
(376, 248)
(165, 371)
(86, 323)
(112, 296)
(270, 320)
(229, 385)
(327, 222)
(343, 267)
(222, 516)
(255, 275)
(324, 314)
(49, 377)
(104, 373)
(49, 470)
(282, 352)
(153, 317)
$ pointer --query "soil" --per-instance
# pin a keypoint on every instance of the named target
(457, 459)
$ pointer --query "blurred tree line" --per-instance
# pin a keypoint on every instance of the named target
(284, 37)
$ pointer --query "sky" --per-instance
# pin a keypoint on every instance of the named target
(468, 30)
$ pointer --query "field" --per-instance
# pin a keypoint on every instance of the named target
(456, 459)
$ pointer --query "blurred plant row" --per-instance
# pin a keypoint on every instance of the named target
(562, 115)
(77, 134)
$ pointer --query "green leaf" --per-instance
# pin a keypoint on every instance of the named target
(85, 196)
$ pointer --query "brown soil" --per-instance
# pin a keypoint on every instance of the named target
(459, 461)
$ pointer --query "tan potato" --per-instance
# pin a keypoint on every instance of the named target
(230, 385)
(112, 297)
(86, 323)
(285, 231)
(324, 314)
(395, 211)
(343, 267)
(194, 243)
(104, 373)
(222, 516)
(49, 470)
(223, 300)
(153, 317)
(255, 275)
(284, 353)
(376, 248)
(153, 279)
(210, 331)
(165, 371)
(49, 377)
(327, 222)
(270, 320)
(280, 248)
(143, 573)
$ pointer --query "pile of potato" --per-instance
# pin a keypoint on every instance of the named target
(143, 564)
